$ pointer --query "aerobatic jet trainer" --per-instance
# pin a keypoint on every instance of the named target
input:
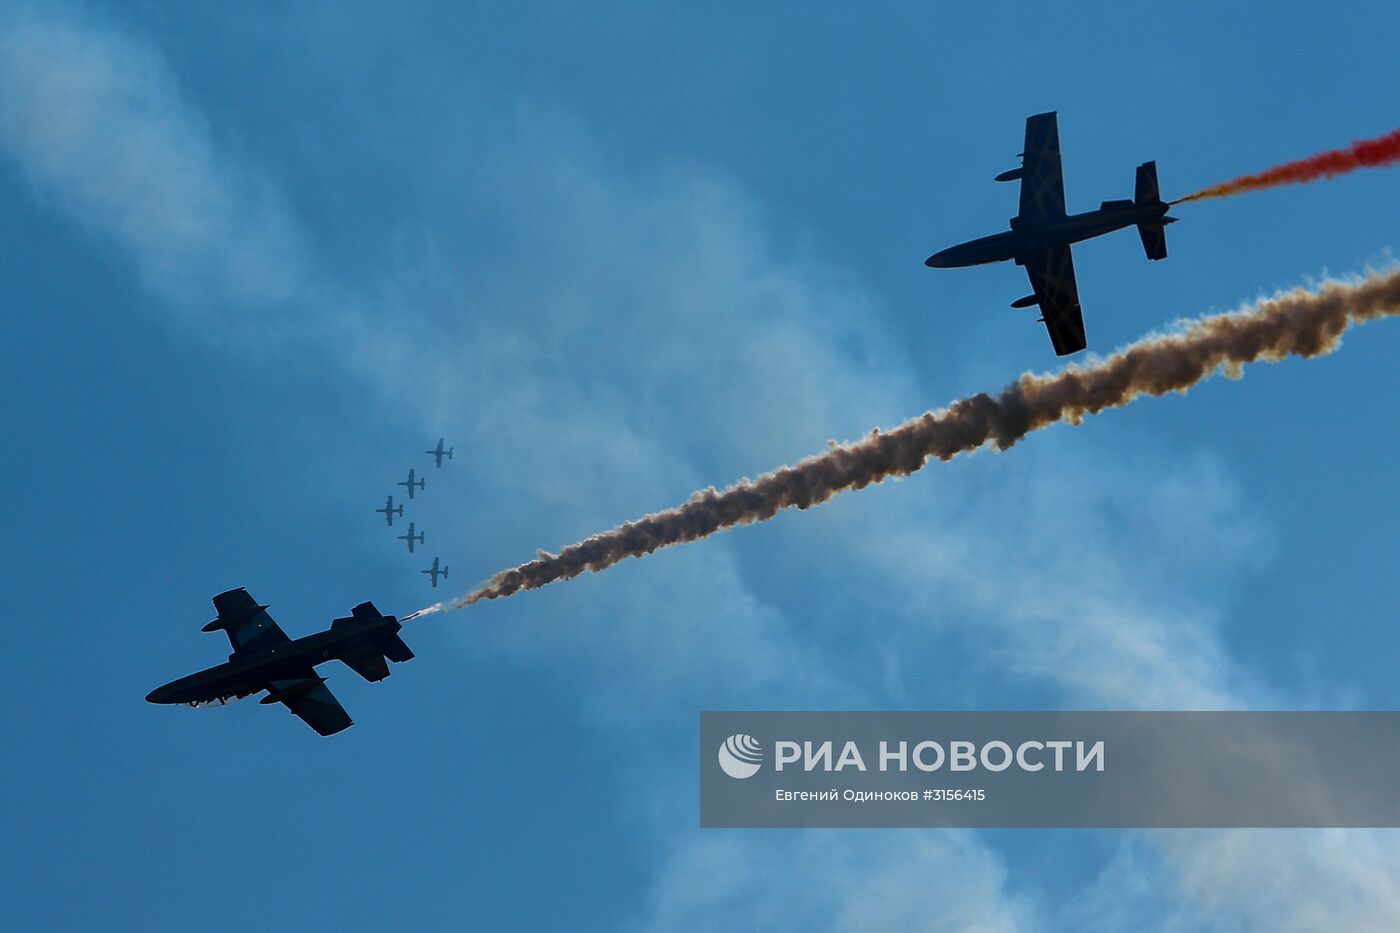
(1041, 232)
(439, 453)
(389, 511)
(435, 571)
(264, 658)
(410, 483)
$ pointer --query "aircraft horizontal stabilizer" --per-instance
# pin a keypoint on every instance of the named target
(370, 665)
(1154, 240)
(371, 662)
(395, 649)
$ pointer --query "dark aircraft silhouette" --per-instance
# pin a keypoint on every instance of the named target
(1041, 233)
(440, 453)
(410, 483)
(411, 537)
(434, 572)
(389, 511)
(264, 658)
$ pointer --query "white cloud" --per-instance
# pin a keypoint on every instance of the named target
(810, 880)
(1112, 610)
(1288, 880)
(95, 119)
(747, 355)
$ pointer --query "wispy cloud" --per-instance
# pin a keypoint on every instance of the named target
(95, 119)
(652, 273)
(867, 881)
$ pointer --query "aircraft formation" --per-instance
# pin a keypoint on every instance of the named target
(1300, 323)
(265, 658)
(414, 484)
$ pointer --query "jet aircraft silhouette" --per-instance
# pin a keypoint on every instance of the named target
(264, 658)
(1041, 232)
(439, 453)
(434, 572)
(410, 483)
(411, 537)
(389, 511)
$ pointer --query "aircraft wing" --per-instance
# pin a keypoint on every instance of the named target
(316, 705)
(1042, 184)
(248, 625)
(1052, 276)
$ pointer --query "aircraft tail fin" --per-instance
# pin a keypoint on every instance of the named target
(371, 661)
(1146, 191)
(1154, 235)
(366, 610)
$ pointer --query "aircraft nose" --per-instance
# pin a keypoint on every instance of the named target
(158, 695)
(937, 260)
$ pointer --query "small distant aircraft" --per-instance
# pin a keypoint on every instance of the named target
(434, 572)
(440, 453)
(1041, 232)
(264, 658)
(389, 511)
(411, 537)
(410, 483)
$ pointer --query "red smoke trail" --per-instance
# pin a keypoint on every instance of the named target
(1367, 153)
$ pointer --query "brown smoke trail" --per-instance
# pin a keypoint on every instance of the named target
(1366, 153)
(1299, 323)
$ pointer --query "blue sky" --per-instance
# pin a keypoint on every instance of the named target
(258, 259)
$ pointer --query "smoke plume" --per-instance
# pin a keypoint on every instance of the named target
(1366, 153)
(1299, 323)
